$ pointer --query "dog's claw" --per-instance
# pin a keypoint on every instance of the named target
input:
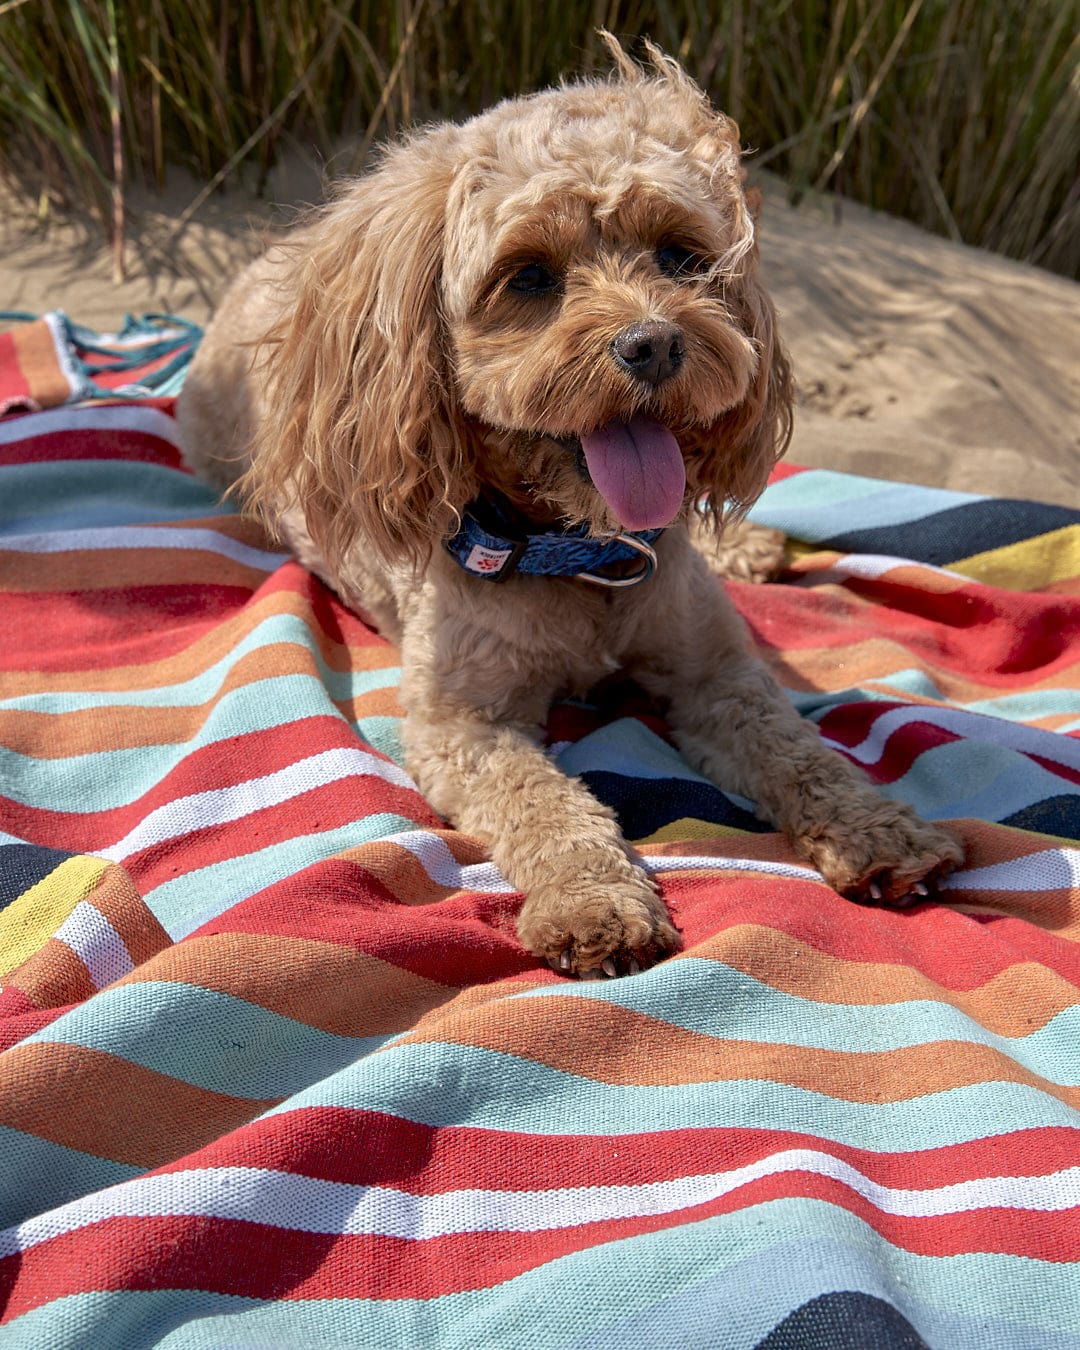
(920, 888)
(875, 891)
(608, 967)
(634, 967)
(564, 959)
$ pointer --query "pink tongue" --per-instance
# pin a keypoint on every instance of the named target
(637, 467)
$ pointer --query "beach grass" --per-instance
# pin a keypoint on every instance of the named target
(962, 115)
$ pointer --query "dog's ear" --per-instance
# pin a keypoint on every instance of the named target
(360, 426)
(746, 441)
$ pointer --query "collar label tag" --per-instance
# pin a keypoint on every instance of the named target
(485, 561)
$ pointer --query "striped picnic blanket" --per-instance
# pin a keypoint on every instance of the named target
(275, 1071)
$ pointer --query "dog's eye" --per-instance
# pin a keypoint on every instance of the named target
(534, 279)
(676, 261)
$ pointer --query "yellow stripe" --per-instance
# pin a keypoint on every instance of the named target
(690, 828)
(28, 922)
(1028, 565)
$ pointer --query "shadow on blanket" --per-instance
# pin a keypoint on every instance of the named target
(274, 1069)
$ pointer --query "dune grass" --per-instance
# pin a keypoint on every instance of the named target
(963, 115)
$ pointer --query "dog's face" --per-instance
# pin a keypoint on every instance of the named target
(592, 265)
(557, 301)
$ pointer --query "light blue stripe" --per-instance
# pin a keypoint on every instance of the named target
(76, 494)
(203, 1037)
(720, 1283)
(753, 1296)
(1027, 706)
(715, 1000)
(449, 1084)
(820, 504)
(107, 779)
(200, 688)
(37, 1175)
(629, 748)
(137, 1319)
(180, 905)
(195, 539)
(975, 778)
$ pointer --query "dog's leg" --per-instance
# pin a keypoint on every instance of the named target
(734, 723)
(589, 907)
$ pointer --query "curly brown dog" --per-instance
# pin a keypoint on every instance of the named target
(488, 394)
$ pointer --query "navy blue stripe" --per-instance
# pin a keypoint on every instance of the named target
(643, 806)
(844, 1321)
(946, 536)
(1054, 815)
(23, 866)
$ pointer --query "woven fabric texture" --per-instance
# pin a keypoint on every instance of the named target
(275, 1070)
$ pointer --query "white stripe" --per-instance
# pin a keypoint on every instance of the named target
(677, 863)
(145, 536)
(96, 943)
(971, 725)
(442, 867)
(1054, 869)
(220, 805)
(874, 565)
(311, 1205)
(110, 417)
(432, 853)
(64, 354)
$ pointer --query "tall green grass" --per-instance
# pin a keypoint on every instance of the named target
(963, 115)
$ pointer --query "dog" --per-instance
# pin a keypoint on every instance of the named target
(506, 394)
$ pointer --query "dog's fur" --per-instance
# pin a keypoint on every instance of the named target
(388, 362)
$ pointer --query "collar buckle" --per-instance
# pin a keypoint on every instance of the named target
(643, 573)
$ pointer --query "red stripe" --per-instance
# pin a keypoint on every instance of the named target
(87, 442)
(954, 950)
(101, 629)
(997, 637)
(254, 1260)
(851, 723)
(17, 1023)
(222, 764)
(13, 383)
(111, 378)
(463, 940)
(306, 814)
(369, 1148)
(784, 470)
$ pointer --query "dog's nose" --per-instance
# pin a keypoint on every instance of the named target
(651, 351)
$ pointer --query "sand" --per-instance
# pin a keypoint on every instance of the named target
(917, 359)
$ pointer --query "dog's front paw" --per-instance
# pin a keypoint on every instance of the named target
(594, 925)
(890, 857)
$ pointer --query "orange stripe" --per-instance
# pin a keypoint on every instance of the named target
(116, 898)
(1014, 1002)
(832, 668)
(820, 568)
(333, 988)
(204, 652)
(91, 730)
(80, 570)
(125, 1111)
(52, 977)
(35, 352)
(610, 1044)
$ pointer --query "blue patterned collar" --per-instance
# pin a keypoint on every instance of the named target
(493, 545)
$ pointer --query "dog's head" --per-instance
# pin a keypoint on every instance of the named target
(556, 300)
